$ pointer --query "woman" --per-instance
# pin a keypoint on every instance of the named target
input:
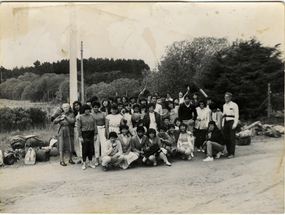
(113, 121)
(112, 155)
(77, 145)
(185, 143)
(152, 149)
(125, 139)
(201, 125)
(65, 133)
(173, 113)
(87, 130)
(177, 123)
(124, 100)
(106, 106)
(100, 143)
(174, 135)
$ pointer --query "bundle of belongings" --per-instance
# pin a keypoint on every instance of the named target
(244, 136)
(29, 147)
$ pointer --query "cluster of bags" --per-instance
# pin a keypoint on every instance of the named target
(31, 148)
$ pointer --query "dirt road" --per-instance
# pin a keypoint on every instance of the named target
(253, 182)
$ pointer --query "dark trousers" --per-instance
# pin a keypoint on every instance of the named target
(230, 137)
(87, 145)
(200, 137)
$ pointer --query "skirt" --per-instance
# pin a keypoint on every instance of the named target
(128, 159)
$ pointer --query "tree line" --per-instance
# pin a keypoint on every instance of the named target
(243, 67)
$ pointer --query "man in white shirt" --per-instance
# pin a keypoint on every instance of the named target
(231, 116)
(158, 107)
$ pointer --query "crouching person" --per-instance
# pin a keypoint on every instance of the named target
(215, 143)
(154, 149)
(185, 143)
(112, 155)
(125, 139)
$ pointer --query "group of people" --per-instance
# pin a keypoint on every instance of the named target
(119, 131)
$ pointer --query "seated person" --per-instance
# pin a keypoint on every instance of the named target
(215, 142)
(174, 135)
(112, 155)
(153, 149)
(138, 141)
(166, 142)
(125, 138)
(185, 143)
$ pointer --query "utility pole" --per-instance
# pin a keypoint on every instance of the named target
(73, 96)
(82, 76)
(269, 102)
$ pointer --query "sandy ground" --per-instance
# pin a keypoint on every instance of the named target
(253, 182)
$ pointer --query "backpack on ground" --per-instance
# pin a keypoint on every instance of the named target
(10, 157)
(42, 155)
(18, 142)
(30, 158)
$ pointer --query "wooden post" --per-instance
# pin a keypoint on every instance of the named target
(73, 56)
(269, 102)
(82, 77)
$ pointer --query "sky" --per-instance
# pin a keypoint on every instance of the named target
(41, 31)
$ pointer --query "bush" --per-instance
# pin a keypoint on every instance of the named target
(22, 119)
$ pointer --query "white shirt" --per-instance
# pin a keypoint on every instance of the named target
(158, 109)
(152, 121)
(231, 108)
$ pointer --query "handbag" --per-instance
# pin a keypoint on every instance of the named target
(30, 158)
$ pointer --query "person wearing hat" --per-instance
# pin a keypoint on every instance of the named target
(87, 132)
(65, 133)
(231, 116)
(125, 139)
(152, 119)
(112, 155)
(215, 143)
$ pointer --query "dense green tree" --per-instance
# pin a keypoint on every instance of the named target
(245, 68)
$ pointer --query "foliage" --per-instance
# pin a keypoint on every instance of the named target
(22, 119)
(120, 87)
(245, 69)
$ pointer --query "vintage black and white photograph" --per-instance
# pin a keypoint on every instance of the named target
(142, 107)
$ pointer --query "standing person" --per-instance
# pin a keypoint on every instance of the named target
(113, 121)
(152, 119)
(216, 115)
(168, 97)
(201, 125)
(127, 156)
(231, 116)
(87, 130)
(157, 107)
(215, 142)
(65, 133)
(100, 142)
(153, 149)
(187, 113)
(181, 96)
(124, 99)
(173, 112)
(77, 145)
(195, 100)
(113, 153)
(185, 143)
(106, 107)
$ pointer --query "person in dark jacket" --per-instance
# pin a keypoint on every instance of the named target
(187, 113)
(215, 142)
(152, 119)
